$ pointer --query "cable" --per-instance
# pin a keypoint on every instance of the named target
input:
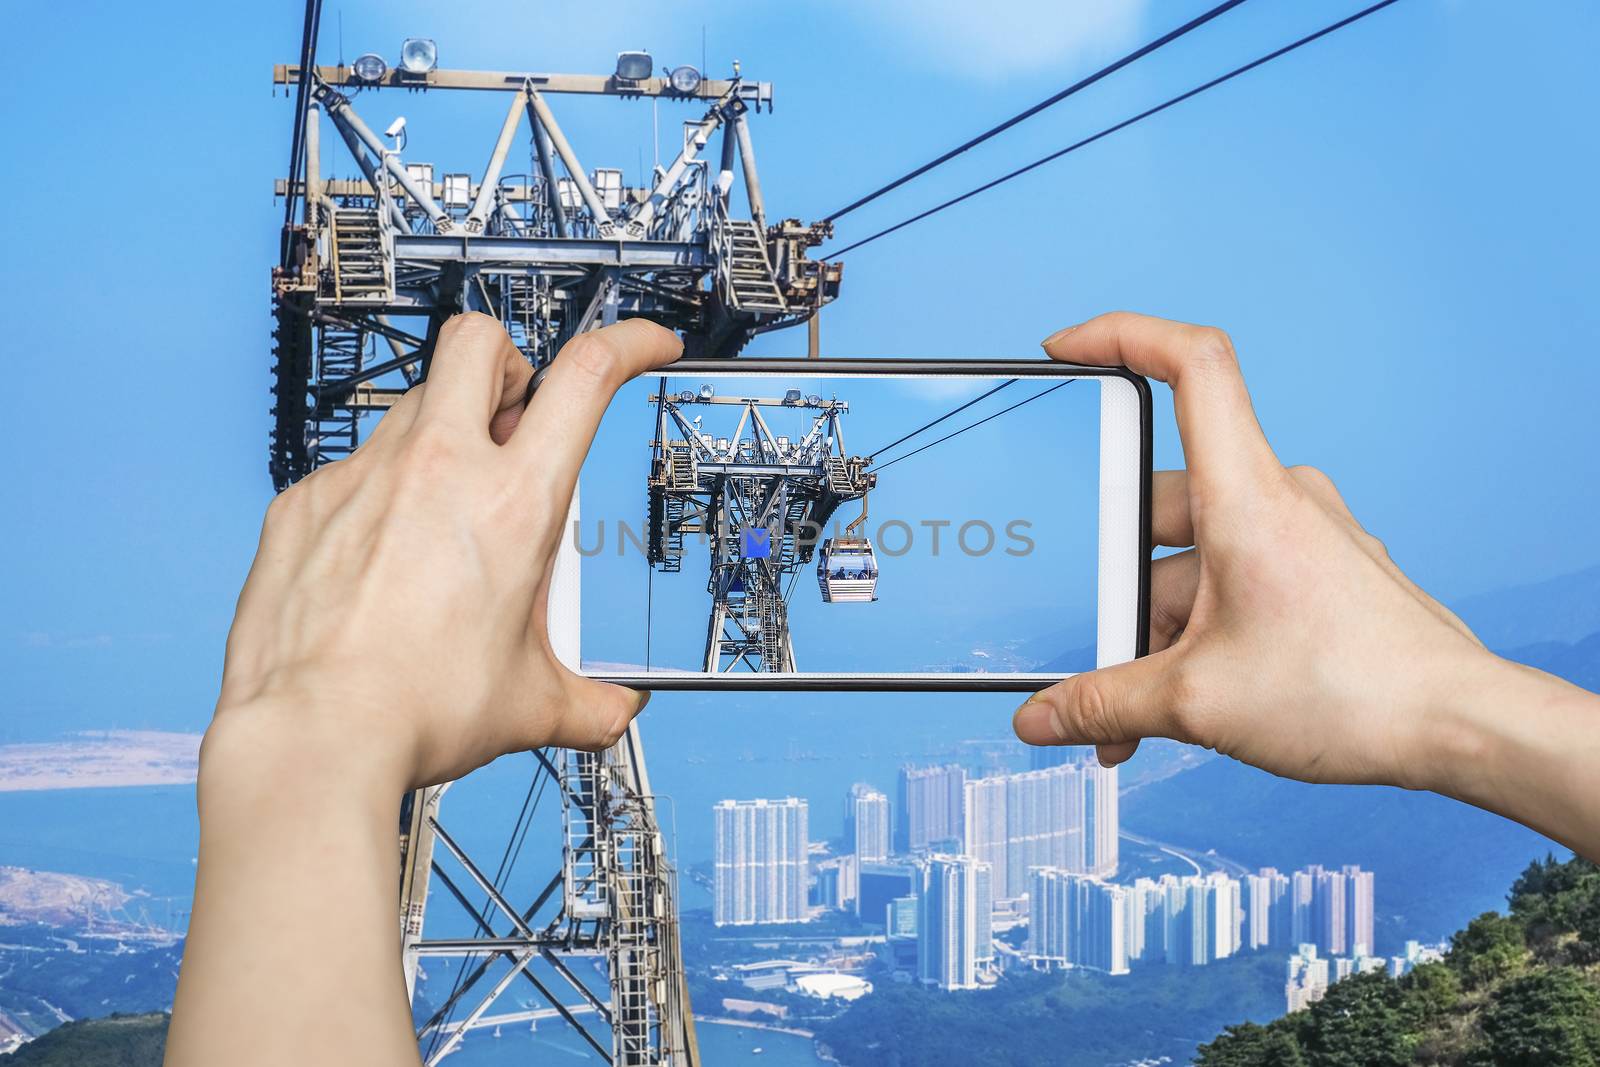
(1196, 91)
(975, 425)
(308, 54)
(1165, 39)
(941, 418)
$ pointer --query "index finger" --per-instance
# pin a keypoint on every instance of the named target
(560, 422)
(1222, 441)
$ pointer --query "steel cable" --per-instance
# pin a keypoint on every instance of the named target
(1124, 124)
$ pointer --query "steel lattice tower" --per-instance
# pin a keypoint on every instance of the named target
(759, 500)
(379, 260)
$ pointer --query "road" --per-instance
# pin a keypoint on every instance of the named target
(1200, 861)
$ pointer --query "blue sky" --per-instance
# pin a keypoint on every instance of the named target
(1397, 225)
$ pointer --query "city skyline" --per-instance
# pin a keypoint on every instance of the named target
(1035, 848)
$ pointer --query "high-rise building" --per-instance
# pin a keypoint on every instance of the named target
(1267, 909)
(1044, 824)
(1101, 824)
(866, 823)
(761, 869)
(1189, 921)
(1302, 895)
(954, 936)
(1079, 920)
(1330, 912)
(1147, 911)
(1225, 917)
(929, 813)
(1333, 910)
(1197, 923)
(1358, 899)
(1063, 816)
(1048, 911)
(984, 829)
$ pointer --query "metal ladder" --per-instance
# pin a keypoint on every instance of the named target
(363, 266)
(839, 479)
(793, 516)
(341, 351)
(751, 284)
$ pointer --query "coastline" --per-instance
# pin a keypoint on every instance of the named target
(750, 1024)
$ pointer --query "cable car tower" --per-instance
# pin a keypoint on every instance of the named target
(759, 500)
(371, 265)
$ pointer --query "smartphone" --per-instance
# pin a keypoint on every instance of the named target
(860, 524)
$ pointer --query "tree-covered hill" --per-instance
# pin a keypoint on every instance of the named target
(1076, 1019)
(115, 1041)
(1515, 990)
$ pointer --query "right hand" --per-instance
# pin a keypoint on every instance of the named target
(1285, 636)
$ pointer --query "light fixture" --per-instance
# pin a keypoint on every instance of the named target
(706, 392)
(634, 66)
(791, 396)
(418, 55)
(457, 190)
(685, 80)
(685, 397)
(369, 68)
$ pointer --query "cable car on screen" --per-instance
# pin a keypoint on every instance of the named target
(847, 570)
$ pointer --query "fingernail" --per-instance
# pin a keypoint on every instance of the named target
(1058, 335)
(1035, 723)
(644, 698)
(1106, 763)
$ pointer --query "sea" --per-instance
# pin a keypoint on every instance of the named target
(699, 749)
(720, 1044)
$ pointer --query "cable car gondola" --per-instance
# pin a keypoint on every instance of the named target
(847, 571)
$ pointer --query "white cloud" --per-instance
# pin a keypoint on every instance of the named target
(994, 41)
(944, 387)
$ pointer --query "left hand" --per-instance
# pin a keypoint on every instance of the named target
(397, 603)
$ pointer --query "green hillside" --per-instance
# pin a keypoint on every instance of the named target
(115, 1041)
(1075, 1019)
(1515, 990)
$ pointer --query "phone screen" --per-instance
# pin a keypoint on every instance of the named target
(815, 524)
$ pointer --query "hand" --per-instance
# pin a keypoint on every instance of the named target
(1285, 637)
(399, 596)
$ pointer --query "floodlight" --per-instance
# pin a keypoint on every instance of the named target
(686, 396)
(421, 176)
(791, 396)
(369, 68)
(418, 55)
(457, 190)
(814, 400)
(634, 66)
(706, 392)
(685, 80)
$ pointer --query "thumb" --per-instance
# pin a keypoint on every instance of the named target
(1113, 708)
(596, 715)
